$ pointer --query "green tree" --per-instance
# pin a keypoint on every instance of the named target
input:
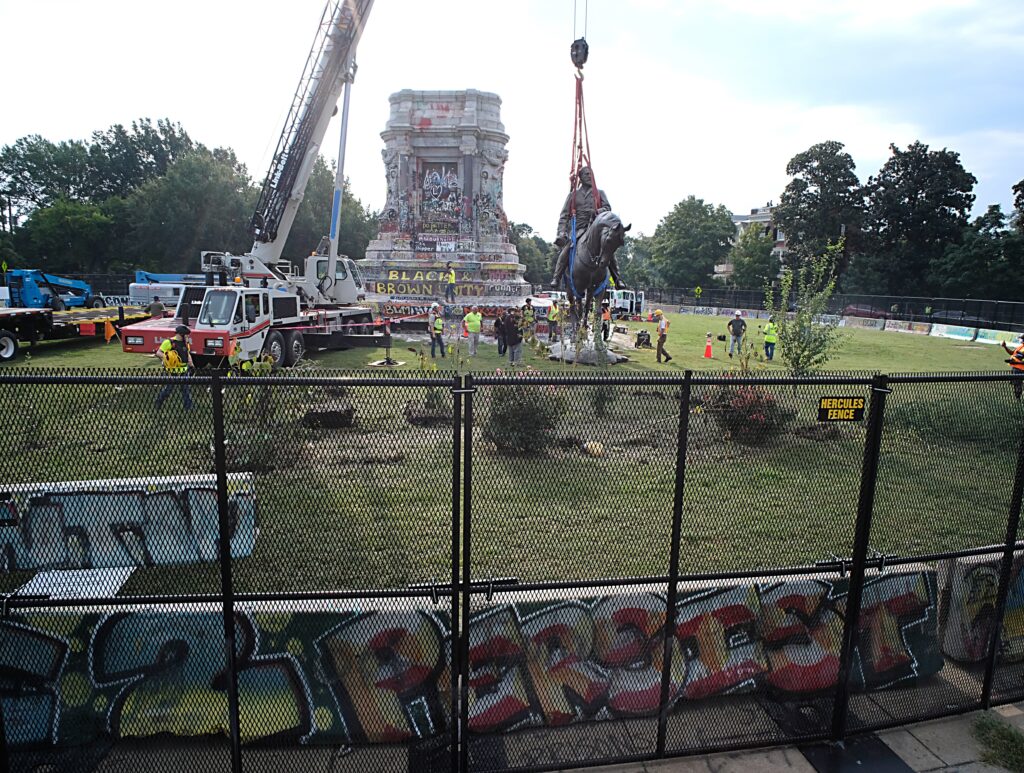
(534, 252)
(123, 159)
(916, 207)
(987, 264)
(754, 263)
(635, 265)
(35, 172)
(823, 200)
(66, 237)
(806, 342)
(313, 220)
(690, 240)
(1018, 206)
(204, 202)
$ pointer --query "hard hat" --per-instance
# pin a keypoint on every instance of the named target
(182, 330)
(435, 305)
(659, 313)
(738, 313)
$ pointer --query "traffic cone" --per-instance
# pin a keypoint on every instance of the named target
(707, 348)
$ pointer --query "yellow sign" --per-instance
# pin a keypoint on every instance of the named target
(841, 409)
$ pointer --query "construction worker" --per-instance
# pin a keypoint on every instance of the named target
(435, 327)
(659, 315)
(606, 321)
(449, 276)
(1016, 363)
(737, 327)
(471, 323)
(528, 318)
(771, 337)
(554, 317)
(174, 352)
(156, 308)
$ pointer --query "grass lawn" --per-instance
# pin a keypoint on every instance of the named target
(863, 350)
(370, 505)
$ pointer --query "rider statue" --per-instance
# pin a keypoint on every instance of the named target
(585, 214)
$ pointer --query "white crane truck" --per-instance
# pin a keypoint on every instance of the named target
(256, 304)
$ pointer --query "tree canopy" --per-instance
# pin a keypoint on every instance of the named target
(822, 203)
(147, 196)
(690, 240)
(754, 263)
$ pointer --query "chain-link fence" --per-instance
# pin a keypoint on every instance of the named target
(491, 573)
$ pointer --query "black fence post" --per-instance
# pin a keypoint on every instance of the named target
(1005, 570)
(456, 668)
(4, 764)
(673, 561)
(467, 574)
(224, 548)
(862, 533)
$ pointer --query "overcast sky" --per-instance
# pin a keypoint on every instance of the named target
(683, 96)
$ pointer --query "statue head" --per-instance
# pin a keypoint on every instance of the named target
(586, 177)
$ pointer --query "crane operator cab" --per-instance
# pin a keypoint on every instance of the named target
(334, 280)
(232, 320)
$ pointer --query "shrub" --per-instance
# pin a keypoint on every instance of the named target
(523, 417)
(749, 415)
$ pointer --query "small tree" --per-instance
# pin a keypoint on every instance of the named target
(806, 340)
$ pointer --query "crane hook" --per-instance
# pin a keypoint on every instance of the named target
(579, 52)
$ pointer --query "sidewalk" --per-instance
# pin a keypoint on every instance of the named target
(940, 746)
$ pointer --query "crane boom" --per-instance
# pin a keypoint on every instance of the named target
(328, 66)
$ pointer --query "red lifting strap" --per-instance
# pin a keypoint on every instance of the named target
(581, 140)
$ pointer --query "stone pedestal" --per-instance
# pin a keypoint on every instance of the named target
(444, 159)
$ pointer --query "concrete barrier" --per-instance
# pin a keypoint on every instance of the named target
(902, 326)
(995, 336)
(862, 322)
(955, 332)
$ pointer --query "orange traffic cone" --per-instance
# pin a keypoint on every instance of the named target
(707, 348)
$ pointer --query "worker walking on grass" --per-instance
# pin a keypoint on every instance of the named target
(529, 317)
(771, 337)
(659, 315)
(737, 327)
(435, 327)
(1016, 362)
(606, 321)
(472, 322)
(174, 353)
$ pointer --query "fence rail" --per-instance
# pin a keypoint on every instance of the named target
(499, 572)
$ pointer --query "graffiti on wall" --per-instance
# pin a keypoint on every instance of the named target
(367, 676)
(121, 523)
(969, 606)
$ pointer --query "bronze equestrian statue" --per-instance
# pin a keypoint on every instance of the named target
(583, 198)
(595, 255)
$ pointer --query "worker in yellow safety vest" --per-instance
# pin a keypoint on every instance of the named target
(771, 337)
(435, 326)
(174, 352)
(1016, 362)
(449, 276)
(554, 317)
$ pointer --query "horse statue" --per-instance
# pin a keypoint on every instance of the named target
(593, 261)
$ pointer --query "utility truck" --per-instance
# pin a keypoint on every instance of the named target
(257, 304)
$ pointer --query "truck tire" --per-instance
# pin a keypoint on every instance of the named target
(57, 304)
(294, 347)
(8, 346)
(274, 346)
(98, 303)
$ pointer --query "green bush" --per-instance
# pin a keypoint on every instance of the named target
(748, 414)
(523, 418)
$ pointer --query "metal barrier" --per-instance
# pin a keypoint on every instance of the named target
(498, 572)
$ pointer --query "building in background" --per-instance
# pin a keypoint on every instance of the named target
(761, 218)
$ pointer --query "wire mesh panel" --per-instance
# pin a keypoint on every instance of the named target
(772, 480)
(946, 467)
(107, 493)
(354, 481)
(565, 677)
(572, 481)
